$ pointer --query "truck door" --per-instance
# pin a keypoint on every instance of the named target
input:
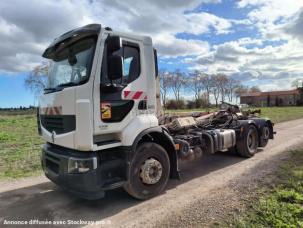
(121, 98)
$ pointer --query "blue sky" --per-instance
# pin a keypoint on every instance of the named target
(259, 42)
(12, 91)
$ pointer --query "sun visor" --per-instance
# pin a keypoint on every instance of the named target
(69, 38)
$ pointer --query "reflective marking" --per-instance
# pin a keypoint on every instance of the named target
(134, 95)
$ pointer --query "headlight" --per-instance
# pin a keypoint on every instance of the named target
(78, 165)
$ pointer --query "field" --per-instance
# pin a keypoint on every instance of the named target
(20, 144)
(279, 205)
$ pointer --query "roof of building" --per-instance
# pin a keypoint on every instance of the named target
(272, 93)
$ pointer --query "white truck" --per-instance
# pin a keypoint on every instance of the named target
(98, 116)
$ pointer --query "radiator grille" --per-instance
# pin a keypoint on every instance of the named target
(58, 123)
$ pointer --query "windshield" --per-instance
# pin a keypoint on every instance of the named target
(72, 65)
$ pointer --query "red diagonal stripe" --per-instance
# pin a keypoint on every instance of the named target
(126, 93)
(56, 110)
(51, 111)
(137, 95)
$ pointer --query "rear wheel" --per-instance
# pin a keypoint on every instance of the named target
(265, 136)
(149, 171)
(248, 146)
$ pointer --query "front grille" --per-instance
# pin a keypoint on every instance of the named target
(53, 123)
(52, 166)
(52, 162)
(58, 123)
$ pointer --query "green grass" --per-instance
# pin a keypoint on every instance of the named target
(19, 146)
(281, 206)
(281, 114)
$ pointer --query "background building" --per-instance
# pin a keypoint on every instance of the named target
(274, 98)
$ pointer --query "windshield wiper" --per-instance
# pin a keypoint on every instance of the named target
(49, 90)
(61, 86)
(68, 84)
(72, 83)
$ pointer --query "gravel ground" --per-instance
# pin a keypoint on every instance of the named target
(229, 199)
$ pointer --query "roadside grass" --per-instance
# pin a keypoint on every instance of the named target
(278, 206)
(281, 114)
(19, 146)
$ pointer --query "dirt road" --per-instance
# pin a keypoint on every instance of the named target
(209, 188)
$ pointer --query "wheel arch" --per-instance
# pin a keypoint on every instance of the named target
(270, 124)
(160, 136)
(245, 125)
(209, 142)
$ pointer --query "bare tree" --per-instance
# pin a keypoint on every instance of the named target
(208, 84)
(164, 85)
(231, 86)
(221, 81)
(254, 89)
(297, 83)
(195, 83)
(176, 81)
(215, 87)
(36, 80)
(241, 89)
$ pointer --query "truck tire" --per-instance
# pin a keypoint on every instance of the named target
(149, 171)
(265, 136)
(248, 146)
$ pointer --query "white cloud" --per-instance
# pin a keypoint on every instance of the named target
(278, 64)
(173, 47)
(163, 20)
(270, 16)
(295, 28)
(27, 27)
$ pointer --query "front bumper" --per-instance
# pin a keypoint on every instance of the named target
(88, 185)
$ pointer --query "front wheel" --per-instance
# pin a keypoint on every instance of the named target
(248, 146)
(149, 171)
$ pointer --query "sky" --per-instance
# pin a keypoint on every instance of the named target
(259, 42)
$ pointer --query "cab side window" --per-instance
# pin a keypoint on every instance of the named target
(131, 64)
(130, 54)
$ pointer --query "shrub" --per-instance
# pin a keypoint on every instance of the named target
(199, 103)
(173, 104)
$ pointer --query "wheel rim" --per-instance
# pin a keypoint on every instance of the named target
(251, 141)
(150, 171)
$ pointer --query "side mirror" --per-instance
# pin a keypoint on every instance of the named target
(113, 44)
(115, 67)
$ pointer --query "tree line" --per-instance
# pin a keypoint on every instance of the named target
(203, 86)
(31, 107)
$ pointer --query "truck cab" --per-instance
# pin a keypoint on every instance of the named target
(98, 116)
(100, 95)
(101, 89)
